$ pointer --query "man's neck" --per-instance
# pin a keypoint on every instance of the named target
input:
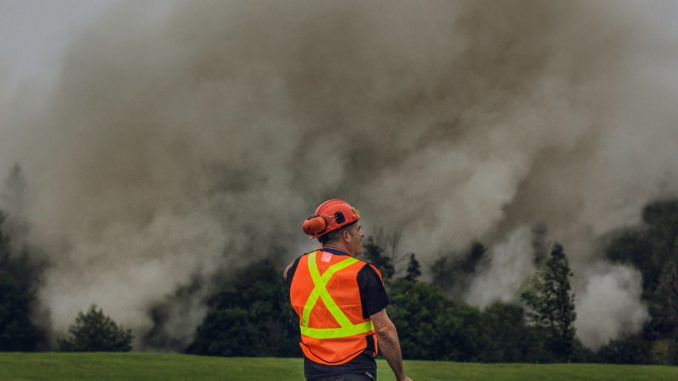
(338, 247)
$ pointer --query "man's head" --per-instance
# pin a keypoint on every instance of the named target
(335, 224)
(348, 238)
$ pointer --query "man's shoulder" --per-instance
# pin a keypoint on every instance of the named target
(369, 267)
(365, 268)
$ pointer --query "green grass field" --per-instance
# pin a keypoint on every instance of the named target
(172, 367)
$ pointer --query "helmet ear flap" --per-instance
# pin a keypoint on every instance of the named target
(314, 225)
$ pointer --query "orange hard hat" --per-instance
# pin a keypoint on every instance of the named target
(330, 216)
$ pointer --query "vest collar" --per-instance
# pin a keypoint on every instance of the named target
(334, 251)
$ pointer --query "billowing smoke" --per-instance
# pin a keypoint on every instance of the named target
(611, 296)
(512, 264)
(180, 141)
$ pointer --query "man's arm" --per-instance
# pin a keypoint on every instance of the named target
(286, 270)
(389, 344)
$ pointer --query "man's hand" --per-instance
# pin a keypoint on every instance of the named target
(389, 344)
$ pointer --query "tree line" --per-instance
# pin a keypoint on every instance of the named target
(250, 314)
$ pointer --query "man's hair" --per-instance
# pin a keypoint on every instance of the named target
(334, 236)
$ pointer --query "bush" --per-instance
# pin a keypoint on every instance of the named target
(250, 316)
(632, 349)
(429, 326)
(17, 332)
(95, 332)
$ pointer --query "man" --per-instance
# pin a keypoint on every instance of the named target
(341, 302)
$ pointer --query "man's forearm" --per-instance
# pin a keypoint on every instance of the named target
(389, 345)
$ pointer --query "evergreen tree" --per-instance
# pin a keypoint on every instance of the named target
(550, 304)
(92, 331)
(413, 271)
(18, 286)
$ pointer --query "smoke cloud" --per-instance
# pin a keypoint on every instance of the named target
(611, 296)
(511, 266)
(184, 140)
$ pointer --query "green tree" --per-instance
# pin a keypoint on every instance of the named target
(632, 349)
(664, 304)
(550, 304)
(431, 327)
(663, 308)
(651, 246)
(249, 316)
(17, 332)
(506, 337)
(416, 309)
(92, 331)
(19, 278)
(413, 271)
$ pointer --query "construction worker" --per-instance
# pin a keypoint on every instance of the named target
(341, 301)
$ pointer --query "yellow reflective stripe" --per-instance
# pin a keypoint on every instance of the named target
(335, 333)
(320, 292)
(320, 283)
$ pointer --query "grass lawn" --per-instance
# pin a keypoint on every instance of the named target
(171, 367)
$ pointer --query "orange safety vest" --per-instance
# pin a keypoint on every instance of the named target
(325, 295)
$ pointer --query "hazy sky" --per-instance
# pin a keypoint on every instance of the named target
(33, 33)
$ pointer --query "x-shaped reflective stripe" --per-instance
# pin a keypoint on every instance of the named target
(319, 291)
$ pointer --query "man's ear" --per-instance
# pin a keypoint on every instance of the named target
(346, 235)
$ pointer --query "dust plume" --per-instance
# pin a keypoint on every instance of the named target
(181, 140)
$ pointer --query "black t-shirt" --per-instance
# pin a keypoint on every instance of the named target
(373, 299)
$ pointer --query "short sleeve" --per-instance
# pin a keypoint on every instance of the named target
(291, 271)
(372, 292)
